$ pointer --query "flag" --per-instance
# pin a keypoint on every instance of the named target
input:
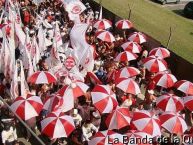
(37, 2)
(74, 9)
(14, 90)
(41, 39)
(82, 51)
(23, 83)
(101, 13)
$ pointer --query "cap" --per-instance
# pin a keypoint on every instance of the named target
(150, 92)
(75, 111)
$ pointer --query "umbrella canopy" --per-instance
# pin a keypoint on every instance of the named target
(173, 122)
(155, 64)
(111, 76)
(104, 98)
(93, 78)
(184, 86)
(147, 122)
(27, 107)
(170, 102)
(42, 77)
(126, 56)
(105, 36)
(132, 47)
(57, 125)
(135, 134)
(119, 118)
(102, 24)
(160, 52)
(123, 24)
(165, 80)
(188, 101)
(137, 37)
(128, 85)
(75, 89)
(53, 102)
(127, 72)
(106, 138)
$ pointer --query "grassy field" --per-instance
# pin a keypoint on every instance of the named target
(156, 22)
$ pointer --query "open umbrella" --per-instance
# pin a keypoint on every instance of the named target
(132, 47)
(155, 64)
(123, 24)
(173, 122)
(102, 24)
(104, 98)
(188, 101)
(27, 107)
(127, 72)
(105, 36)
(53, 102)
(160, 52)
(147, 122)
(137, 37)
(128, 85)
(93, 78)
(184, 86)
(106, 138)
(170, 102)
(42, 77)
(165, 80)
(118, 119)
(57, 125)
(126, 56)
(138, 136)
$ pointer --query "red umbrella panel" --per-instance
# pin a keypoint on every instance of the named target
(160, 52)
(137, 37)
(124, 24)
(132, 47)
(184, 86)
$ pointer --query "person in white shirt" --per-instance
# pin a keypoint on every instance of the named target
(8, 135)
(88, 130)
(77, 118)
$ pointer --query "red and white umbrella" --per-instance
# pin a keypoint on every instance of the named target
(75, 89)
(27, 107)
(57, 125)
(165, 80)
(127, 72)
(126, 56)
(173, 122)
(132, 47)
(160, 52)
(136, 135)
(118, 119)
(106, 138)
(137, 37)
(42, 77)
(188, 101)
(102, 24)
(128, 85)
(70, 92)
(105, 36)
(147, 122)
(170, 102)
(123, 24)
(104, 99)
(53, 102)
(155, 64)
(93, 78)
(184, 86)
(111, 76)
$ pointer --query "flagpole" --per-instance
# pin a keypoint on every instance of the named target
(26, 126)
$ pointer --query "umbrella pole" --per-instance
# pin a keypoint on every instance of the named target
(26, 126)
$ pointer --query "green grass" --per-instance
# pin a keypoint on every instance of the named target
(156, 21)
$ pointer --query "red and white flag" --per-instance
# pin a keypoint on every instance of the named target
(14, 90)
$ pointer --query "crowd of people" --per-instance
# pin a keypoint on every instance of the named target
(43, 19)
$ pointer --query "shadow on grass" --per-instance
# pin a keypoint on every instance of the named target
(179, 12)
